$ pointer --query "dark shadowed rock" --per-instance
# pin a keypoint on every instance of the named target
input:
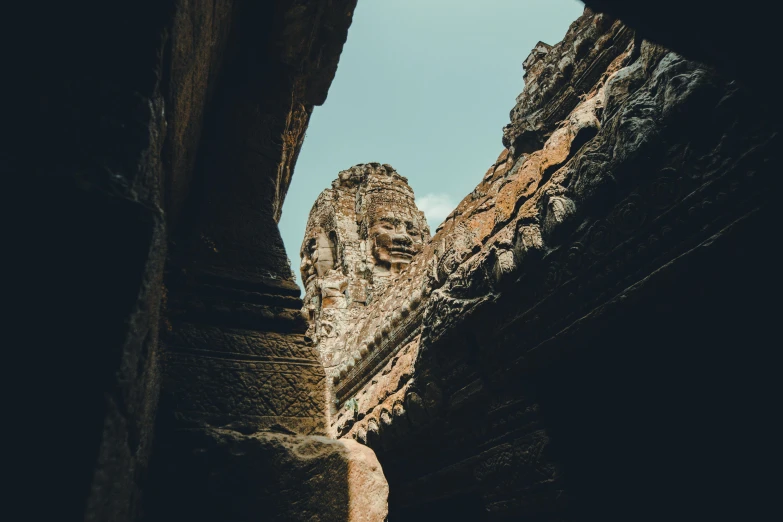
(273, 476)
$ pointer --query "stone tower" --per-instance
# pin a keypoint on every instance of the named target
(360, 235)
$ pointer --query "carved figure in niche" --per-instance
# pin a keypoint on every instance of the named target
(394, 230)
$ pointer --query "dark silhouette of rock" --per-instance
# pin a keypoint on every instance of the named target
(158, 141)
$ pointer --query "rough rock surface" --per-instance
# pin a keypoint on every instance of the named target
(700, 29)
(558, 78)
(621, 171)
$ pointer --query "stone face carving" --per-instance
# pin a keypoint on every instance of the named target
(318, 256)
(361, 235)
(394, 232)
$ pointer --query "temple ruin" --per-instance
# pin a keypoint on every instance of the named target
(587, 336)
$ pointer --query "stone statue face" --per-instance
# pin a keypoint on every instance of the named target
(307, 267)
(394, 236)
(318, 257)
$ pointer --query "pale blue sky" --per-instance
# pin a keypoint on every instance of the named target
(425, 86)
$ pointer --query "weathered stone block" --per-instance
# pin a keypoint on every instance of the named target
(218, 474)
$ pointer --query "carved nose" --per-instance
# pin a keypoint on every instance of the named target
(402, 238)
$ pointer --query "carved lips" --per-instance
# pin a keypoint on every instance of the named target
(401, 252)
